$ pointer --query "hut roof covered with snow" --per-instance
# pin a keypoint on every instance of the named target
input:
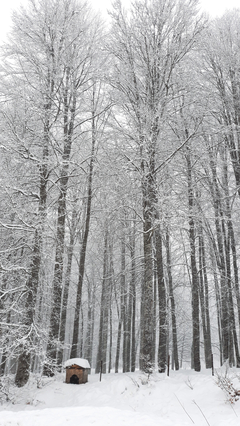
(81, 362)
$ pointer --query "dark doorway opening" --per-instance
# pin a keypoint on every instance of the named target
(74, 379)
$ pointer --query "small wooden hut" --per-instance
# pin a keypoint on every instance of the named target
(77, 370)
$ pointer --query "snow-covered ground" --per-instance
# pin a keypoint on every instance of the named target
(184, 398)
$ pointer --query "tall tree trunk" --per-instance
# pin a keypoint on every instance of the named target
(172, 303)
(147, 328)
(119, 333)
(66, 283)
(110, 338)
(5, 317)
(119, 312)
(23, 368)
(220, 260)
(83, 251)
(69, 106)
(104, 312)
(228, 232)
(218, 303)
(235, 266)
(162, 348)
(194, 272)
(147, 301)
(128, 332)
(204, 301)
(32, 284)
(124, 300)
(90, 323)
(132, 301)
(155, 294)
(110, 278)
(237, 294)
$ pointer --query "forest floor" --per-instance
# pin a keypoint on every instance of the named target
(131, 399)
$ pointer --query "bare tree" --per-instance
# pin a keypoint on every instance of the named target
(147, 44)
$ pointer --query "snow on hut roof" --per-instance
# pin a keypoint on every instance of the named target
(78, 361)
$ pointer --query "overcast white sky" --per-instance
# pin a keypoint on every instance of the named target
(213, 7)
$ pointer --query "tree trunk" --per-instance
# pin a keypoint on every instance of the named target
(66, 283)
(69, 106)
(85, 240)
(132, 301)
(104, 312)
(172, 303)
(235, 266)
(162, 348)
(218, 303)
(147, 332)
(204, 301)
(228, 239)
(90, 324)
(124, 300)
(194, 273)
(110, 278)
(119, 333)
(32, 285)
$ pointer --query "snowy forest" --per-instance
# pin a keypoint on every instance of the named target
(119, 188)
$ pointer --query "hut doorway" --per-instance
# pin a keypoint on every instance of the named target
(74, 379)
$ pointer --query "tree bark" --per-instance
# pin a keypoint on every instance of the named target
(204, 301)
(194, 272)
(66, 283)
(147, 333)
(162, 348)
(32, 285)
(172, 303)
(132, 301)
(104, 311)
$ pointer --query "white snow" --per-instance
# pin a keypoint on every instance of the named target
(81, 362)
(129, 399)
